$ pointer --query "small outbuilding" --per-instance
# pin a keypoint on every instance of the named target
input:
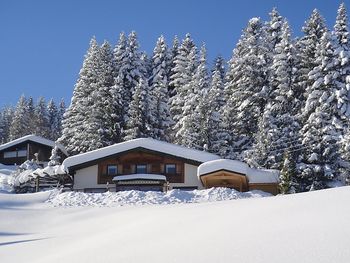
(26, 148)
(237, 175)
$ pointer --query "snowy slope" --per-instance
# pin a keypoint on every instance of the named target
(308, 227)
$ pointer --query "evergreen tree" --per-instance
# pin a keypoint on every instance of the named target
(41, 119)
(20, 121)
(159, 91)
(278, 128)
(53, 121)
(31, 116)
(313, 29)
(171, 65)
(6, 116)
(54, 158)
(219, 65)
(341, 32)
(216, 101)
(140, 120)
(288, 174)
(182, 72)
(321, 130)
(76, 118)
(61, 111)
(341, 28)
(246, 89)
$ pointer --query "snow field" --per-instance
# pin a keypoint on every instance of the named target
(309, 227)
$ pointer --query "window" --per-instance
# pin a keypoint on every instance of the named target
(112, 170)
(12, 154)
(22, 153)
(141, 168)
(170, 168)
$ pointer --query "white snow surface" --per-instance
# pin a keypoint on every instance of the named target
(309, 227)
(134, 197)
(5, 177)
(139, 176)
(147, 143)
(33, 138)
(253, 175)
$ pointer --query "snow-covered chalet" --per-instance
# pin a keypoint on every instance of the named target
(27, 148)
(148, 164)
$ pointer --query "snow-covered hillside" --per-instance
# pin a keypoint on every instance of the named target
(307, 227)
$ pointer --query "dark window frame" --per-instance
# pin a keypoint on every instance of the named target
(140, 164)
(165, 168)
(116, 169)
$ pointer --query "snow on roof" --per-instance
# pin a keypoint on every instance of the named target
(222, 164)
(147, 143)
(253, 175)
(33, 138)
(140, 177)
(262, 175)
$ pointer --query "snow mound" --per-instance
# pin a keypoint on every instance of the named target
(73, 199)
(6, 177)
(13, 200)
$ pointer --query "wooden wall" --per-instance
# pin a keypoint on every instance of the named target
(127, 165)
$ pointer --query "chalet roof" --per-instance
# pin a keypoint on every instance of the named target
(253, 175)
(33, 138)
(144, 143)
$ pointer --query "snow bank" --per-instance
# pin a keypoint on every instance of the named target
(253, 175)
(310, 228)
(146, 143)
(133, 197)
(6, 177)
(14, 200)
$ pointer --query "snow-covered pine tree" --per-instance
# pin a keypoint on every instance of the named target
(278, 128)
(6, 115)
(130, 68)
(182, 72)
(52, 114)
(55, 157)
(76, 116)
(216, 101)
(100, 123)
(60, 113)
(31, 116)
(191, 125)
(140, 120)
(341, 32)
(288, 174)
(320, 134)
(41, 118)
(306, 47)
(341, 28)
(20, 122)
(272, 35)
(106, 105)
(174, 51)
(246, 89)
(219, 65)
(159, 91)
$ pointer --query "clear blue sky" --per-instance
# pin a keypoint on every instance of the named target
(43, 42)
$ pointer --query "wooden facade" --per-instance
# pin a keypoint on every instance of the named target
(19, 153)
(238, 181)
(127, 163)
